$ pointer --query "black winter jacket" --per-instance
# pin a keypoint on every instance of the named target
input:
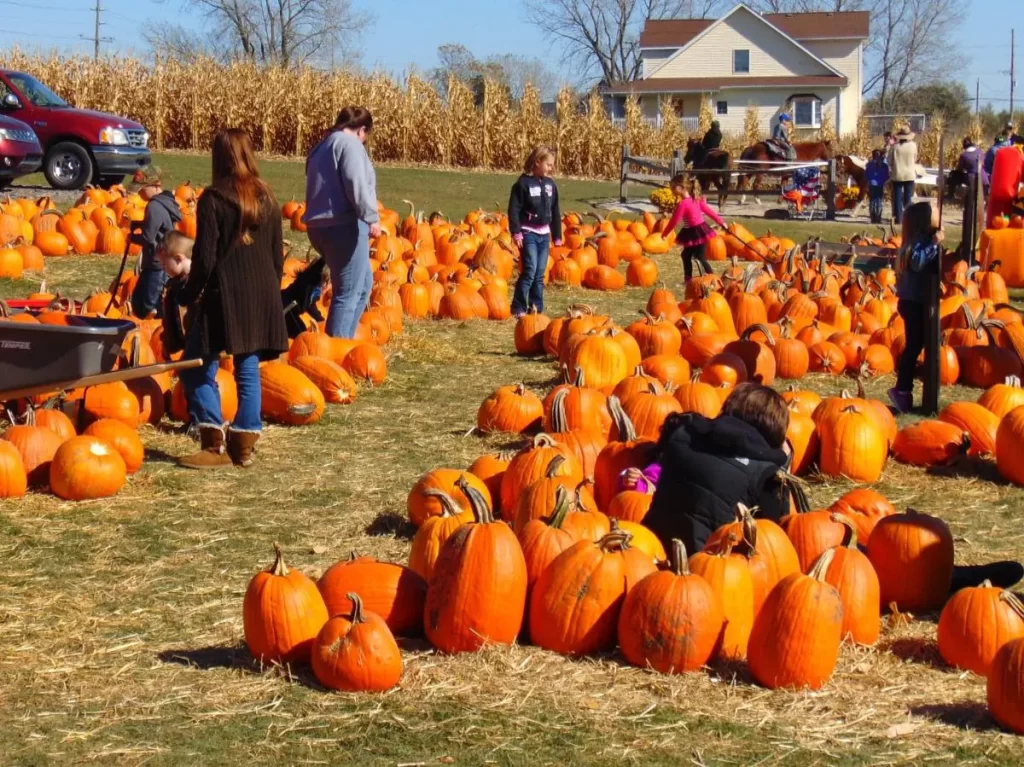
(712, 139)
(534, 202)
(708, 466)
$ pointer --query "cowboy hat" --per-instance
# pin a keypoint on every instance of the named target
(904, 133)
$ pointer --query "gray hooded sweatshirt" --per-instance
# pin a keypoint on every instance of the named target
(341, 185)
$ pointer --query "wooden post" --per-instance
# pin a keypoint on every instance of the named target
(677, 164)
(830, 194)
(933, 326)
(623, 184)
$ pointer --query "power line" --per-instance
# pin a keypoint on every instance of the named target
(20, 33)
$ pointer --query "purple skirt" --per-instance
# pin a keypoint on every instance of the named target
(692, 236)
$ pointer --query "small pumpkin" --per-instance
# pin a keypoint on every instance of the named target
(1005, 689)
(510, 409)
(356, 652)
(282, 613)
(122, 438)
(13, 480)
(394, 592)
(426, 544)
(913, 556)
(729, 577)
(975, 623)
(854, 577)
(85, 468)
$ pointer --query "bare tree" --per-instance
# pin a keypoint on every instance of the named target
(602, 37)
(520, 71)
(512, 71)
(171, 41)
(281, 32)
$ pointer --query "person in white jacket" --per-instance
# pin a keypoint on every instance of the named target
(341, 215)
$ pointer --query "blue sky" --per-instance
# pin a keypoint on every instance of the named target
(493, 26)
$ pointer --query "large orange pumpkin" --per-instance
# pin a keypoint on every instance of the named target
(84, 468)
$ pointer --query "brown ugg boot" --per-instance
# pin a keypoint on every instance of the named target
(211, 455)
(242, 447)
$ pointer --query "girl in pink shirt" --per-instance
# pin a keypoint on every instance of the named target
(690, 212)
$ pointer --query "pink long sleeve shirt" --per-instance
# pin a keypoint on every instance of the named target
(691, 212)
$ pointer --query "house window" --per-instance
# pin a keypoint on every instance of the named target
(722, 107)
(741, 61)
(807, 112)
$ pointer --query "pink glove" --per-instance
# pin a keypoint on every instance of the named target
(518, 239)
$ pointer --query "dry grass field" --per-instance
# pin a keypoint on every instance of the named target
(121, 622)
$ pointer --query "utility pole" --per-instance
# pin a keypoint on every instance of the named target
(977, 91)
(96, 39)
(1013, 83)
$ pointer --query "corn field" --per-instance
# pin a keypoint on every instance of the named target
(286, 111)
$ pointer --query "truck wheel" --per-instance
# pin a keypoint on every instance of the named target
(108, 181)
(67, 166)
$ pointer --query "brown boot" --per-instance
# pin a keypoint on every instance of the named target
(242, 447)
(212, 455)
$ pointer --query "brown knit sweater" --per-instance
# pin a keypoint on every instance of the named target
(236, 288)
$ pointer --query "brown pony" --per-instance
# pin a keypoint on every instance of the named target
(715, 159)
(805, 152)
(852, 168)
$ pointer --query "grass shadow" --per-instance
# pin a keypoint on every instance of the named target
(922, 652)
(389, 523)
(154, 455)
(206, 658)
(969, 467)
(966, 715)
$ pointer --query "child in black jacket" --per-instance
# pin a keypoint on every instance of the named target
(534, 219)
(162, 215)
(708, 466)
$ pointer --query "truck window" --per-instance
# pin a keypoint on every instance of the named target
(36, 92)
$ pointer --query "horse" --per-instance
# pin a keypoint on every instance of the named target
(811, 151)
(854, 167)
(714, 159)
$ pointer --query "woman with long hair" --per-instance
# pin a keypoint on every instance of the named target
(234, 294)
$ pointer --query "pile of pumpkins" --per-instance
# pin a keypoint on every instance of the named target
(764, 322)
(517, 548)
(99, 222)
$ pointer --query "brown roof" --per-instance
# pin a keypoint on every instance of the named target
(675, 33)
(707, 84)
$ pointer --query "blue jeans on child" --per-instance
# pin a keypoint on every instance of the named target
(876, 199)
(346, 249)
(204, 396)
(533, 264)
(146, 296)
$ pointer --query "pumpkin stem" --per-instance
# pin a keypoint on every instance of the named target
(356, 616)
(279, 567)
(554, 467)
(448, 506)
(1013, 601)
(820, 567)
(616, 540)
(796, 488)
(562, 507)
(850, 536)
(625, 427)
(482, 513)
(680, 565)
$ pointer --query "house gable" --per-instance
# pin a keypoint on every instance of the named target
(772, 52)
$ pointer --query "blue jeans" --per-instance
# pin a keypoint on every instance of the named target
(346, 250)
(902, 197)
(204, 396)
(533, 264)
(876, 197)
(146, 296)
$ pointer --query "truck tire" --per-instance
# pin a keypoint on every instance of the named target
(67, 165)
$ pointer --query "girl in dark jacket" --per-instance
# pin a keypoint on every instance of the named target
(234, 289)
(708, 466)
(534, 220)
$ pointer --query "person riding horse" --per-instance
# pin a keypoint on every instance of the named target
(698, 152)
(780, 137)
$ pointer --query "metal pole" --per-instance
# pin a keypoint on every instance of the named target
(830, 198)
(625, 171)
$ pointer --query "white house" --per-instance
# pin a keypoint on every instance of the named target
(813, 61)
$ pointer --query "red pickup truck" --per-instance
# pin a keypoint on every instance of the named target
(80, 146)
(20, 153)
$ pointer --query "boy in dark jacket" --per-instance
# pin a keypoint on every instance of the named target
(534, 219)
(708, 466)
(876, 174)
(162, 214)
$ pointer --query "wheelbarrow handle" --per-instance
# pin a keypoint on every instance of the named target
(124, 374)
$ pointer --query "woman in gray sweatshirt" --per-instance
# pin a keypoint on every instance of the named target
(341, 215)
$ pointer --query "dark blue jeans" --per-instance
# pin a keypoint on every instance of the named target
(346, 249)
(876, 198)
(204, 396)
(146, 296)
(902, 197)
(529, 290)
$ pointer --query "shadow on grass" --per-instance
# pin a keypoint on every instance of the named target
(923, 652)
(967, 715)
(217, 656)
(970, 467)
(159, 456)
(389, 523)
